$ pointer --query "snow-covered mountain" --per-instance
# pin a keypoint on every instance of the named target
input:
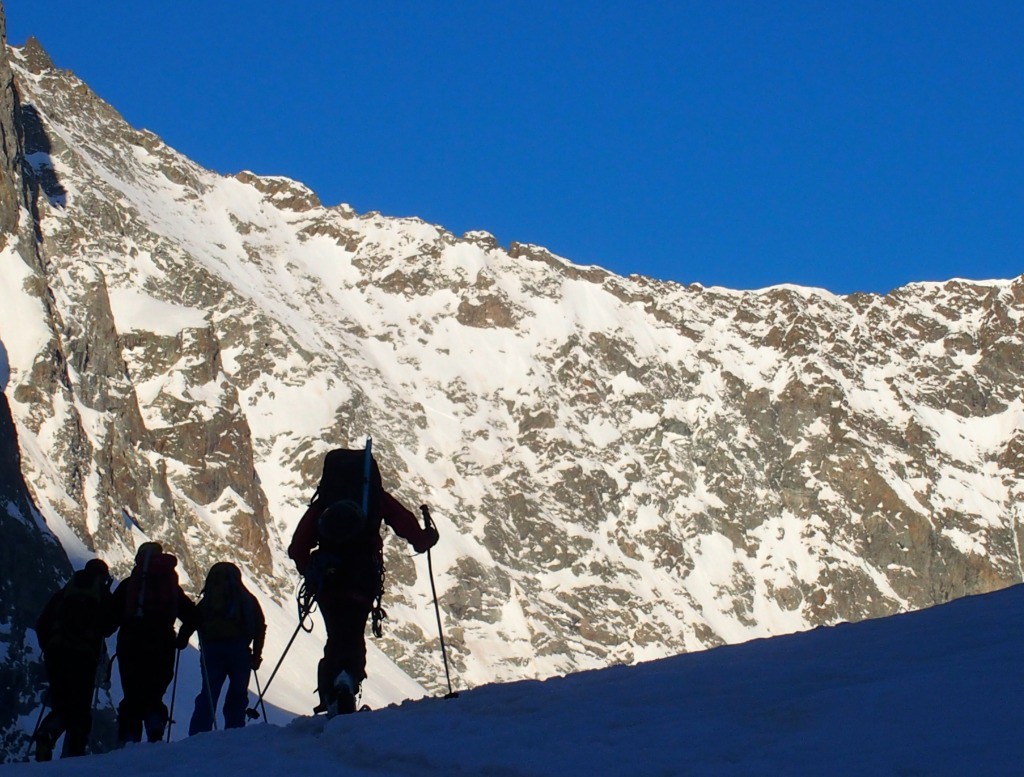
(621, 468)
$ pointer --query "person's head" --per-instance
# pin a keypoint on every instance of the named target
(146, 550)
(96, 569)
(226, 570)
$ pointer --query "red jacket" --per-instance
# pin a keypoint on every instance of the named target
(404, 523)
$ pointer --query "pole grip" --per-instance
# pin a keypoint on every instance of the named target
(427, 520)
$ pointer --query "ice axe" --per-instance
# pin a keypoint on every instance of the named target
(428, 523)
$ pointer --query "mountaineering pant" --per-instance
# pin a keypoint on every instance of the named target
(345, 617)
(228, 659)
(145, 660)
(72, 677)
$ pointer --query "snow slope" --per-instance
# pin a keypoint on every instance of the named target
(933, 692)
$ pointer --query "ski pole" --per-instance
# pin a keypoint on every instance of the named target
(306, 600)
(251, 712)
(437, 609)
(206, 684)
(174, 694)
(279, 662)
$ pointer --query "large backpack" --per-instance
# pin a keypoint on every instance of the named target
(350, 475)
(225, 611)
(78, 623)
(153, 589)
(348, 527)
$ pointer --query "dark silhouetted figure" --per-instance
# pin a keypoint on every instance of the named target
(71, 630)
(345, 572)
(229, 619)
(147, 604)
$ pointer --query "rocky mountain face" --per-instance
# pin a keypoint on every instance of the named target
(621, 468)
(31, 561)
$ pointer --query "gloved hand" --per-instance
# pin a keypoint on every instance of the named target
(426, 540)
(257, 662)
(181, 641)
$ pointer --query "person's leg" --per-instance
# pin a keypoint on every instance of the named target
(238, 664)
(344, 665)
(131, 667)
(330, 608)
(346, 646)
(214, 669)
(58, 693)
(50, 729)
(78, 715)
(161, 672)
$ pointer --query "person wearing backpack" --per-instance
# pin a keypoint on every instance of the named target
(229, 619)
(148, 603)
(338, 548)
(71, 631)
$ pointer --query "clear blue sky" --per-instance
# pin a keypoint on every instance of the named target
(853, 146)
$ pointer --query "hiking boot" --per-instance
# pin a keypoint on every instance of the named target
(345, 691)
(155, 723)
